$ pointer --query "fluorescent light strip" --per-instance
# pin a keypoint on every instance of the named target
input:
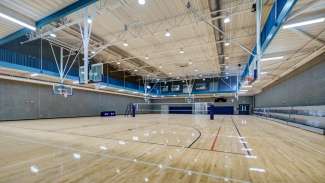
(272, 58)
(257, 170)
(247, 149)
(250, 157)
(17, 21)
(34, 74)
(308, 22)
(247, 86)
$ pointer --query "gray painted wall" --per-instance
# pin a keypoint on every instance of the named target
(302, 89)
(19, 100)
(230, 101)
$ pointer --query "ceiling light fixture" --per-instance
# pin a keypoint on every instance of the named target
(181, 51)
(89, 20)
(135, 70)
(190, 63)
(76, 156)
(17, 21)
(227, 43)
(93, 52)
(226, 58)
(167, 33)
(247, 86)
(308, 22)
(118, 63)
(52, 35)
(226, 20)
(103, 148)
(272, 58)
(142, 2)
(196, 70)
(160, 67)
(263, 73)
(125, 44)
(146, 57)
(34, 74)
(34, 169)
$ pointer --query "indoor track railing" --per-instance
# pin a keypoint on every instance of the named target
(308, 116)
(29, 63)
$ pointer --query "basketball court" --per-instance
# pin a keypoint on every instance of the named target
(162, 91)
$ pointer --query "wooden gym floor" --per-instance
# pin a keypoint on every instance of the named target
(159, 148)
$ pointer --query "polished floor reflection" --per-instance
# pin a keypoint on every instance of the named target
(159, 148)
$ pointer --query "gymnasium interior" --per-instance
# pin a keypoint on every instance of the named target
(162, 91)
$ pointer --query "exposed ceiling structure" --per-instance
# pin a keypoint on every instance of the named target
(293, 47)
(190, 50)
(177, 38)
(28, 11)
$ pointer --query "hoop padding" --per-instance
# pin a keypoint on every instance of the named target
(172, 108)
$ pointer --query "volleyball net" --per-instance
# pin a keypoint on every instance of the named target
(171, 108)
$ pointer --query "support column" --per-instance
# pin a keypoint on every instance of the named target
(259, 4)
(85, 40)
(61, 65)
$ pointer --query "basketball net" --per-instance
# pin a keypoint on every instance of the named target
(65, 94)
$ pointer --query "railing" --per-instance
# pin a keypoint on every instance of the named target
(226, 84)
(311, 116)
(32, 64)
(122, 84)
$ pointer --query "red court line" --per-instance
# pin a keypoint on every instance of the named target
(215, 139)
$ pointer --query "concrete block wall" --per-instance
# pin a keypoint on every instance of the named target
(20, 100)
(302, 88)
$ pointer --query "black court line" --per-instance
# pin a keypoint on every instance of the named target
(153, 143)
(244, 144)
(143, 142)
(196, 139)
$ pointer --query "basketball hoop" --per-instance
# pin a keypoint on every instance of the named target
(63, 90)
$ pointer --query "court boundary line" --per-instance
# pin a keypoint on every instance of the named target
(271, 122)
(244, 144)
(127, 159)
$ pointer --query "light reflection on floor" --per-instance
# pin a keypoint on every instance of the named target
(129, 150)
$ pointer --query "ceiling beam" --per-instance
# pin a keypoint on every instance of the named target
(64, 12)
(280, 10)
(49, 19)
(215, 7)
